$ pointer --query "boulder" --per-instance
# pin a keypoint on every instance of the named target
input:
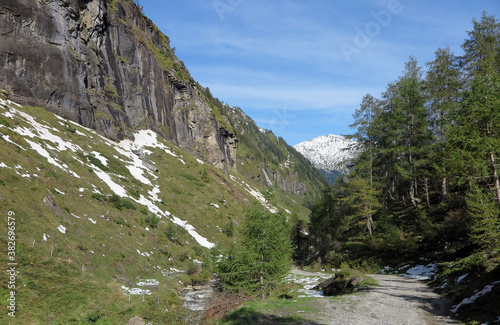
(335, 287)
(341, 286)
(354, 281)
(50, 203)
(324, 284)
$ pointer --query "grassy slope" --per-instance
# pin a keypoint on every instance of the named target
(76, 276)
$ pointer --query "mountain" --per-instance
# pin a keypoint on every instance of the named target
(125, 178)
(107, 67)
(329, 154)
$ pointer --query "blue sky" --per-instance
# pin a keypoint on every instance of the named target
(301, 68)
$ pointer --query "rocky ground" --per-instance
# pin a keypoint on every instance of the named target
(396, 300)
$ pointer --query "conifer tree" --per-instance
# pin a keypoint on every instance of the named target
(362, 198)
(475, 137)
(443, 90)
(364, 195)
(263, 257)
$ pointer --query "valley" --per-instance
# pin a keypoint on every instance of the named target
(131, 194)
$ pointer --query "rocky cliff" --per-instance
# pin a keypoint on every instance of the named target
(103, 64)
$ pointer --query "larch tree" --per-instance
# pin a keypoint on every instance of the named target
(264, 256)
(443, 87)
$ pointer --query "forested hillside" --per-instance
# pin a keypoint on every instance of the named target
(426, 184)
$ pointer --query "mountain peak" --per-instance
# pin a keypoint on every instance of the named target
(328, 153)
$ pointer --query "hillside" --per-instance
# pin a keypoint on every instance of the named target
(106, 66)
(124, 177)
(97, 213)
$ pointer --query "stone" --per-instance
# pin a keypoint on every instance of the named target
(324, 284)
(354, 281)
(136, 320)
(335, 287)
(342, 286)
(80, 60)
(50, 203)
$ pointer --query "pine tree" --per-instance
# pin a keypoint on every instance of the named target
(366, 136)
(263, 257)
(443, 90)
(485, 214)
(406, 138)
(475, 138)
(483, 46)
(363, 201)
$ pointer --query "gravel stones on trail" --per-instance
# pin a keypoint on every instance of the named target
(396, 300)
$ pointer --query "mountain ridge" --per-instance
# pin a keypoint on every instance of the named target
(106, 66)
(329, 154)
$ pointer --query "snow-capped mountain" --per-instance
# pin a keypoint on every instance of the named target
(328, 153)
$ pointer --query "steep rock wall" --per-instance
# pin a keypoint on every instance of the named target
(103, 64)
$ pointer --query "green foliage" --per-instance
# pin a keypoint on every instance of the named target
(259, 262)
(427, 177)
(228, 228)
(485, 217)
(97, 162)
(117, 201)
(152, 221)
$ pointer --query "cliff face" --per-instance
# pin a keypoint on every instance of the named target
(106, 66)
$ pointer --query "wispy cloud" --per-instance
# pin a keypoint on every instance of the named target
(286, 54)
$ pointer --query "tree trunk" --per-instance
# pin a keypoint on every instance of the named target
(495, 177)
(426, 187)
(262, 288)
(369, 224)
(444, 186)
(412, 195)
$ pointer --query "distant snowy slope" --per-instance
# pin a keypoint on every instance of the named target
(327, 153)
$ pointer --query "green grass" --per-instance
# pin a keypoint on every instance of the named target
(56, 290)
(271, 311)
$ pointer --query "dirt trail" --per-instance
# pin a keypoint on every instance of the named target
(397, 300)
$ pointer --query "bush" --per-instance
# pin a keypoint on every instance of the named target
(121, 203)
(152, 221)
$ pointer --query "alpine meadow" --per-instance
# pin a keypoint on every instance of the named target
(131, 194)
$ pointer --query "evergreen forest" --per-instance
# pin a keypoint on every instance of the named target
(426, 184)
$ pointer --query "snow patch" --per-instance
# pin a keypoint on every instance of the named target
(308, 282)
(136, 291)
(479, 294)
(460, 278)
(44, 153)
(145, 254)
(192, 231)
(102, 159)
(148, 283)
(62, 229)
(421, 272)
(60, 192)
(117, 189)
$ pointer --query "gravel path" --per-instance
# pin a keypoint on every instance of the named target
(397, 300)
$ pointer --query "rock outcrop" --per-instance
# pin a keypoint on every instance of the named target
(103, 64)
(343, 286)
